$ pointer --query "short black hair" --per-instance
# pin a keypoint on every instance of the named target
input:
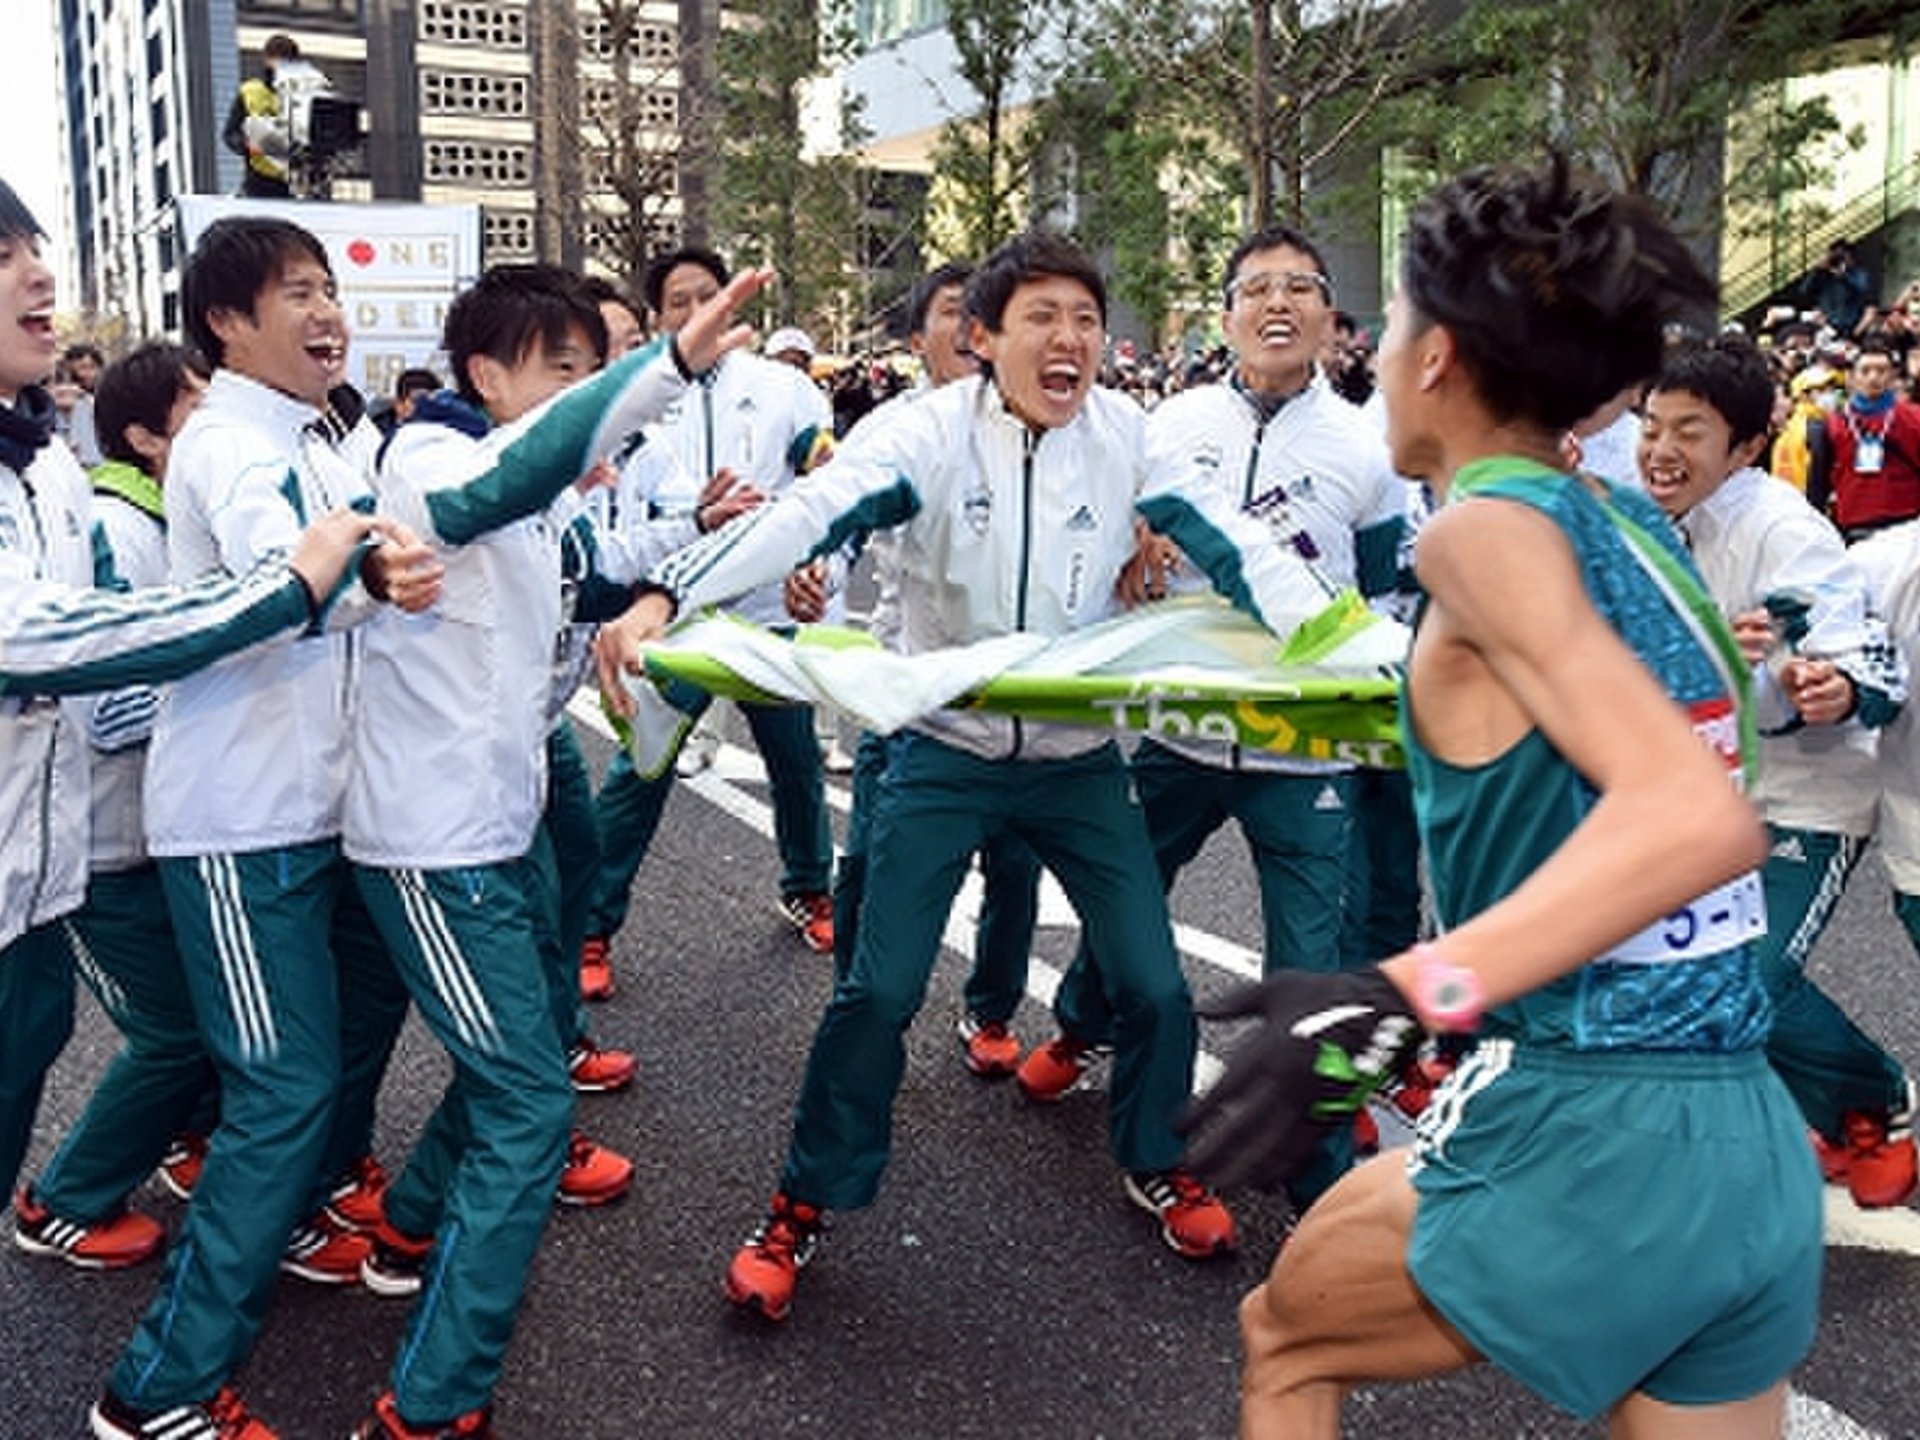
(15, 218)
(141, 390)
(654, 282)
(234, 261)
(929, 286)
(603, 291)
(512, 308)
(415, 380)
(1730, 373)
(1270, 238)
(84, 350)
(1035, 255)
(1557, 291)
(281, 47)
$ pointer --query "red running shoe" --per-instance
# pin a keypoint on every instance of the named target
(126, 1240)
(180, 1167)
(1881, 1161)
(767, 1267)
(596, 969)
(989, 1049)
(599, 1072)
(354, 1203)
(1054, 1069)
(812, 915)
(1193, 1222)
(593, 1174)
(385, 1424)
(222, 1418)
(325, 1252)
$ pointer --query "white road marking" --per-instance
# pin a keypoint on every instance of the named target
(1811, 1419)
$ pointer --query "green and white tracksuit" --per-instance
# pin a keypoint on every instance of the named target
(443, 823)
(1755, 538)
(999, 528)
(162, 1081)
(1316, 474)
(1890, 559)
(1009, 870)
(295, 996)
(767, 423)
(59, 638)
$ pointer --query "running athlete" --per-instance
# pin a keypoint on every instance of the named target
(1612, 1198)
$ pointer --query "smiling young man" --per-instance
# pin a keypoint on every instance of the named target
(293, 992)
(64, 638)
(457, 880)
(1013, 497)
(1276, 441)
(1009, 870)
(1827, 677)
(1611, 1198)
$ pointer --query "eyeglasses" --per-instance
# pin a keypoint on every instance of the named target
(1302, 285)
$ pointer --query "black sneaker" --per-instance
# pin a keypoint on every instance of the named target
(222, 1418)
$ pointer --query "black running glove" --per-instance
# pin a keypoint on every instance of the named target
(1324, 1045)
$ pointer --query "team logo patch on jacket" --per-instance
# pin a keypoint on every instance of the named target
(977, 509)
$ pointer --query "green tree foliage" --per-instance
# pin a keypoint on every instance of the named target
(1641, 91)
(1191, 121)
(985, 159)
(1160, 205)
(1287, 84)
(778, 202)
(632, 115)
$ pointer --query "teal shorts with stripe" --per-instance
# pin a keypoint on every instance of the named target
(1597, 1225)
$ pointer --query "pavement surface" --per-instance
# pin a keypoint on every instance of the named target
(1002, 1286)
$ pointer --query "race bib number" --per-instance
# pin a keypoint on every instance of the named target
(1729, 915)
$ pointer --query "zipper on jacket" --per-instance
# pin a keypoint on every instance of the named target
(1029, 443)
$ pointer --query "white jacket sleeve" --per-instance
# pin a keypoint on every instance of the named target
(1237, 552)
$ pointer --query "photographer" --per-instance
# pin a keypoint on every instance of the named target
(257, 128)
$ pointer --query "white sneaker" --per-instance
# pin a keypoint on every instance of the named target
(697, 754)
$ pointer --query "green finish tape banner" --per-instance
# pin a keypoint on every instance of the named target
(1190, 668)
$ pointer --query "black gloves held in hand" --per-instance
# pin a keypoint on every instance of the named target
(1325, 1044)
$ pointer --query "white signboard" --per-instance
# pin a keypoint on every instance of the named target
(398, 267)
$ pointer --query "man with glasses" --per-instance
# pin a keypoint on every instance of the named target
(1275, 440)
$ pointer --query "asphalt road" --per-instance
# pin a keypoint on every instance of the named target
(1001, 1287)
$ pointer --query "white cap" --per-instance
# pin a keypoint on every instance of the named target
(790, 338)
